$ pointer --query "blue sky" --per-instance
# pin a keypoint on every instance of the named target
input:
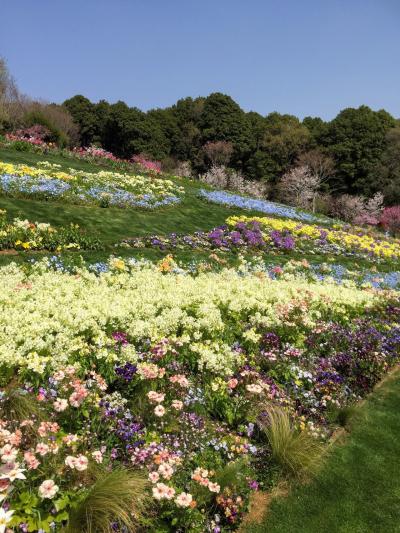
(305, 57)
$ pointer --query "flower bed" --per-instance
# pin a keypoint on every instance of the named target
(25, 235)
(47, 181)
(243, 236)
(170, 376)
(263, 206)
(335, 240)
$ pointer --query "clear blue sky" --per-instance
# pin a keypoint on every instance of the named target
(305, 57)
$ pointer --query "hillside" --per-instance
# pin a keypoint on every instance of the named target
(167, 350)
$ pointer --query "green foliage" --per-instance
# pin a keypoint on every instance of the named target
(356, 140)
(118, 496)
(297, 452)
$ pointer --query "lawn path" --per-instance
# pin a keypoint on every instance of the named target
(358, 489)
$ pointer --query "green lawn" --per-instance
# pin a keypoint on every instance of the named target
(358, 489)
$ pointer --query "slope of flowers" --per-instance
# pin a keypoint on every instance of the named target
(150, 368)
(25, 235)
(100, 188)
(263, 206)
(333, 240)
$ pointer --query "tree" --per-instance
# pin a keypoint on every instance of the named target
(218, 152)
(284, 139)
(320, 166)
(84, 115)
(11, 101)
(356, 140)
(386, 173)
(222, 119)
(298, 186)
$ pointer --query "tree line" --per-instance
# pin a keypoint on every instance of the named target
(356, 153)
(364, 145)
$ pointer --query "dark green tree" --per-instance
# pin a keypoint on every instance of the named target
(356, 139)
(83, 113)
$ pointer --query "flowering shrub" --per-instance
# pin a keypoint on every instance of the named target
(93, 152)
(101, 188)
(153, 166)
(148, 368)
(264, 206)
(37, 135)
(25, 235)
(220, 177)
(390, 219)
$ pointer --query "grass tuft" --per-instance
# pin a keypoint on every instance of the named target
(118, 497)
(296, 452)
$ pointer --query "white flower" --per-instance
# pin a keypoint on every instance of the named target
(12, 472)
(184, 499)
(5, 517)
(48, 489)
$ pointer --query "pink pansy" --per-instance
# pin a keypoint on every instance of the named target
(155, 397)
(70, 461)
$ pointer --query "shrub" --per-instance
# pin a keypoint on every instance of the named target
(390, 219)
(297, 452)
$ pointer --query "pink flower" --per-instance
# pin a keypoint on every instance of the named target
(154, 477)
(8, 453)
(70, 461)
(31, 461)
(42, 448)
(48, 489)
(214, 487)
(165, 470)
(97, 456)
(177, 404)
(81, 463)
(155, 397)
(60, 405)
(159, 411)
(184, 499)
(12, 472)
(232, 383)
(160, 491)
